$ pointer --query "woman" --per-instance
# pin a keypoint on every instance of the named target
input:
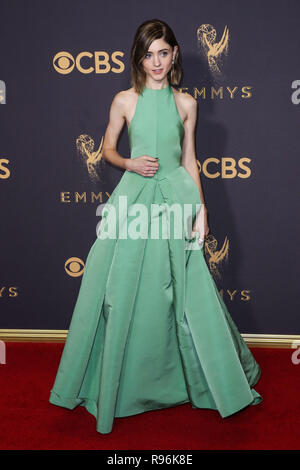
(150, 329)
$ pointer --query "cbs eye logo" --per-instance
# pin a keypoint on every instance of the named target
(74, 267)
(87, 62)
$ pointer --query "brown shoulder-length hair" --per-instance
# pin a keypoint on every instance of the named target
(146, 33)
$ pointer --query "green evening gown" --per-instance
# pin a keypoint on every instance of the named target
(149, 328)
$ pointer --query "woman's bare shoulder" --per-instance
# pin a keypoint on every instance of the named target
(125, 96)
(185, 98)
(124, 101)
(186, 104)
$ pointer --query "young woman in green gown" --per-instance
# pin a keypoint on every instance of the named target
(149, 329)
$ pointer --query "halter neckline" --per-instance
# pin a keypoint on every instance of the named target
(159, 90)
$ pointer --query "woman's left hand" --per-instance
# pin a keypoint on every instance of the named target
(201, 224)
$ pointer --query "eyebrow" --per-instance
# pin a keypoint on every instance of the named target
(164, 49)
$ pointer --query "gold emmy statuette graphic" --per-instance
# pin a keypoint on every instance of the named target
(212, 50)
(214, 256)
(74, 267)
(85, 147)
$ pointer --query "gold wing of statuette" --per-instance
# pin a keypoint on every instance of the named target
(218, 255)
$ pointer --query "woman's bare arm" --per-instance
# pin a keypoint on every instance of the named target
(188, 158)
(189, 161)
(115, 125)
(145, 165)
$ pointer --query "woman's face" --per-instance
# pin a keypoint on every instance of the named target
(158, 60)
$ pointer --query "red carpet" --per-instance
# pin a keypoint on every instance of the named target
(29, 421)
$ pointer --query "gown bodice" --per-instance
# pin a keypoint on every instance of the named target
(157, 130)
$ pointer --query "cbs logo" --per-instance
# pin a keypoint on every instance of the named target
(86, 62)
(4, 171)
(225, 167)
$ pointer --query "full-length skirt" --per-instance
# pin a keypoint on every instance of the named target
(149, 329)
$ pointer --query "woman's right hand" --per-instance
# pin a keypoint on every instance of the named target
(144, 165)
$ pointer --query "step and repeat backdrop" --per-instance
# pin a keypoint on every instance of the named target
(61, 64)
